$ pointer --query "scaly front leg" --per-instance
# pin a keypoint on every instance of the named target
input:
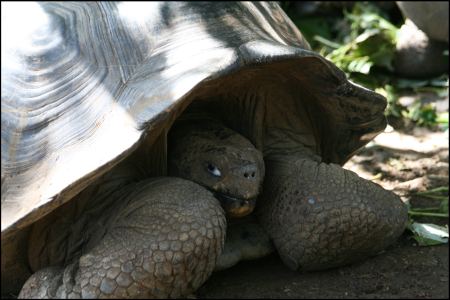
(321, 215)
(164, 243)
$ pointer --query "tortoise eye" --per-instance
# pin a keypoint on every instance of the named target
(213, 170)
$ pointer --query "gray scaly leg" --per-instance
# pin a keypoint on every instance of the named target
(164, 243)
(321, 215)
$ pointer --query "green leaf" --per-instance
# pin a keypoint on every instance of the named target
(360, 65)
(370, 42)
(411, 83)
(438, 82)
(442, 118)
(367, 34)
(439, 193)
(429, 234)
(326, 42)
(440, 189)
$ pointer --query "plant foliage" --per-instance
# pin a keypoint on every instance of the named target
(362, 43)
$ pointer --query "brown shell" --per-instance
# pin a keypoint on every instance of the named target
(83, 83)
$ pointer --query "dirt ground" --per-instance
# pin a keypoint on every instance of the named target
(406, 162)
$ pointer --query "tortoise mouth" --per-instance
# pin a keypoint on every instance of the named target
(236, 207)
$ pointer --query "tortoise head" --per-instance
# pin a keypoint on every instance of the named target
(219, 159)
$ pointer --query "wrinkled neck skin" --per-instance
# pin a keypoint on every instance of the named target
(202, 149)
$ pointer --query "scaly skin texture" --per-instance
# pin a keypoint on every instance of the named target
(317, 215)
(321, 215)
(163, 242)
(218, 158)
(128, 237)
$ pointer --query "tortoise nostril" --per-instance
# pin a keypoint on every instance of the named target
(249, 173)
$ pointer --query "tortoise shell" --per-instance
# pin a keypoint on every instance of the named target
(83, 84)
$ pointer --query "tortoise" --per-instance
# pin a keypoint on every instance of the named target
(88, 88)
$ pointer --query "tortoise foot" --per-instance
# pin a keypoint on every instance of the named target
(164, 244)
(321, 215)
